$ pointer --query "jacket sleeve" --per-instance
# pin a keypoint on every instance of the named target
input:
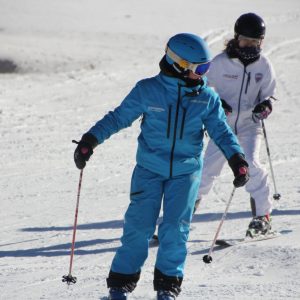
(269, 83)
(123, 116)
(211, 75)
(218, 129)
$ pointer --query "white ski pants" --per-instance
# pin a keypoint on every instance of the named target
(257, 186)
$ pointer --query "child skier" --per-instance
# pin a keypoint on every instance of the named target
(175, 105)
(245, 80)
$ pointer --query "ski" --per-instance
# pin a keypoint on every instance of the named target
(256, 238)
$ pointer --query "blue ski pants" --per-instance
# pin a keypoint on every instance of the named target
(147, 192)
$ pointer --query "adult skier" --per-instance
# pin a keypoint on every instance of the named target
(245, 80)
(175, 105)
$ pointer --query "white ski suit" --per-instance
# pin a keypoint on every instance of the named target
(242, 88)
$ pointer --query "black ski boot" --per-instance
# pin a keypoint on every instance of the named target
(259, 226)
(167, 287)
(121, 285)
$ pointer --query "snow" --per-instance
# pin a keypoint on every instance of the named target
(75, 61)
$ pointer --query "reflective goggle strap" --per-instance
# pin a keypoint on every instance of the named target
(243, 37)
(181, 62)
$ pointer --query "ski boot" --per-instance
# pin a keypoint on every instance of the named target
(117, 294)
(259, 226)
(165, 295)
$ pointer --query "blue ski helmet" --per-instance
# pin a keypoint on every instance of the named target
(186, 51)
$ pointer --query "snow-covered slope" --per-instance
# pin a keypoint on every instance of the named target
(75, 60)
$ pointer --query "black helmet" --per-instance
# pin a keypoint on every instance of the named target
(250, 25)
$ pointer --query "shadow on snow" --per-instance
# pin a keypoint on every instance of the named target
(61, 250)
(197, 218)
(64, 249)
(101, 225)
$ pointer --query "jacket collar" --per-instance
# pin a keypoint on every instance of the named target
(173, 83)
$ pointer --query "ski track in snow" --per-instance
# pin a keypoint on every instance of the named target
(75, 64)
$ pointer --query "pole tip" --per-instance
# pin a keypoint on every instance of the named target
(276, 196)
(207, 259)
(69, 279)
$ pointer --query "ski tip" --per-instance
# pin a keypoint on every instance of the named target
(223, 243)
(251, 235)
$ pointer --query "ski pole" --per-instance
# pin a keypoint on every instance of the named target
(207, 258)
(276, 195)
(69, 278)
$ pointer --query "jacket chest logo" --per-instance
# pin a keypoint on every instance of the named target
(258, 77)
(230, 76)
(198, 101)
(156, 109)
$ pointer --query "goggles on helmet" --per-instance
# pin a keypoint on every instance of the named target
(197, 68)
(249, 41)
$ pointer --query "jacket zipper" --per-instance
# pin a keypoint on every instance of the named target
(248, 82)
(239, 105)
(182, 123)
(175, 131)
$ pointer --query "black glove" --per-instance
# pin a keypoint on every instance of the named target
(84, 150)
(227, 108)
(262, 110)
(239, 166)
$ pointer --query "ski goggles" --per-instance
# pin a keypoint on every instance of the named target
(197, 68)
(248, 41)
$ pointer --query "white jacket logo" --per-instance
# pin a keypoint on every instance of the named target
(156, 109)
(199, 101)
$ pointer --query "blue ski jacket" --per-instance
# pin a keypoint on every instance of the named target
(173, 120)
